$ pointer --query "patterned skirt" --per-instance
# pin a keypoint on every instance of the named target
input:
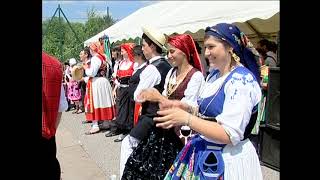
(153, 156)
(74, 91)
(201, 159)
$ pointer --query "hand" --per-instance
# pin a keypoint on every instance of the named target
(171, 118)
(150, 94)
(85, 66)
(168, 104)
(114, 93)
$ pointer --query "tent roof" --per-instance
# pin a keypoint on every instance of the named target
(181, 16)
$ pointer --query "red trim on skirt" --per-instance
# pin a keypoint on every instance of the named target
(101, 114)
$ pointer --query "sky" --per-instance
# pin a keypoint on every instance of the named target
(76, 11)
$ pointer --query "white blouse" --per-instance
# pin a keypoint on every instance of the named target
(149, 77)
(93, 69)
(137, 67)
(240, 98)
(115, 69)
(124, 64)
(193, 88)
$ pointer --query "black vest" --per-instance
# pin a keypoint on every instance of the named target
(134, 81)
(150, 108)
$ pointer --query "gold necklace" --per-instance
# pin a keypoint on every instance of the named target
(172, 86)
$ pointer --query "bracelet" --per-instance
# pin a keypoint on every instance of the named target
(195, 111)
(189, 120)
(190, 109)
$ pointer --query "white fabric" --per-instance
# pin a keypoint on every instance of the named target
(67, 73)
(101, 93)
(154, 59)
(193, 87)
(125, 64)
(95, 124)
(137, 67)
(68, 70)
(63, 104)
(182, 16)
(101, 88)
(72, 61)
(94, 67)
(127, 146)
(214, 87)
(115, 69)
(239, 101)
(271, 62)
(241, 162)
(149, 77)
(122, 65)
(240, 157)
(272, 54)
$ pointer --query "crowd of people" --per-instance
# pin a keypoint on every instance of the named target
(148, 98)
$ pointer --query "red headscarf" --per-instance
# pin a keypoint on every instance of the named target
(95, 48)
(185, 43)
(129, 48)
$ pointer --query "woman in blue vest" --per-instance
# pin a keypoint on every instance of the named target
(225, 113)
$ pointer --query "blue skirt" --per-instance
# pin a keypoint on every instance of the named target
(199, 159)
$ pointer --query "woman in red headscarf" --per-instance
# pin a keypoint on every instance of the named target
(122, 124)
(154, 155)
(99, 103)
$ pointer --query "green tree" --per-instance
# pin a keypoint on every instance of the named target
(53, 39)
(97, 23)
(60, 41)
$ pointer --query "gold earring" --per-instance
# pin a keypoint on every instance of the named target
(235, 57)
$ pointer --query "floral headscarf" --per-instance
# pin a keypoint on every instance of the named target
(241, 45)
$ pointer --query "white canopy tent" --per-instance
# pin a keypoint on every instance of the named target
(255, 18)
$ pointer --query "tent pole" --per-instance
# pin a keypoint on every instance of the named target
(70, 26)
(60, 24)
(45, 32)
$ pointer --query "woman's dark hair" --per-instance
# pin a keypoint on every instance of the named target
(191, 61)
(137, 51)
(273, 46)
(86, 50)
(149, 42)
(265, 42)
(117, 49)
(270, 45)
(198, 47)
